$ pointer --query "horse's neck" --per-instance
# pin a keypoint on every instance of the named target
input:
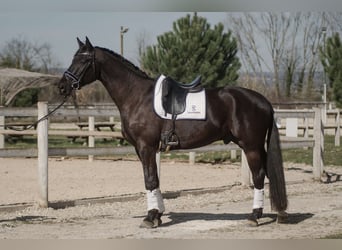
(123, 85)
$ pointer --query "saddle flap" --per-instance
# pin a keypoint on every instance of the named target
(173, 97)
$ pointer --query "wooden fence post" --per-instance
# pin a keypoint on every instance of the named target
(192, 157)
(2, 137)
(306, 127)
(233, 154)
(42, 143)
(338, 129)
(158, 164)
(319, 145)
(245, 172)
(91, 139)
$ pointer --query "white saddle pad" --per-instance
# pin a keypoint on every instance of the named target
(195, 104)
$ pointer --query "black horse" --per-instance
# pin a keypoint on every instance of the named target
(235, 114)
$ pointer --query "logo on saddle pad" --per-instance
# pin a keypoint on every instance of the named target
(180, 101)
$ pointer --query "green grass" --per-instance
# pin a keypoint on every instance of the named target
(332, 154)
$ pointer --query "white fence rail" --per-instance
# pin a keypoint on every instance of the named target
(43, 152)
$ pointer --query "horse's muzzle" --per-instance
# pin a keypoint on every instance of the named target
(64, 88)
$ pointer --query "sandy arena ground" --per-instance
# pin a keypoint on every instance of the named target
(315, 208)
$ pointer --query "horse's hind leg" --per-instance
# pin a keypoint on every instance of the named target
(257, 162)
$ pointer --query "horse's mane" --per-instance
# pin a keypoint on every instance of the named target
(127, 63)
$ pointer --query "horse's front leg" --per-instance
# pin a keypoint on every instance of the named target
(155, 204)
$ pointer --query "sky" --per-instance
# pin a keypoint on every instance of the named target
(60, 29)
(58, 23)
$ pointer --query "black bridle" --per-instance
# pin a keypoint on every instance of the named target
(76, 80)
(75, 84)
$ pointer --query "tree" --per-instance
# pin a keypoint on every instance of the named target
(272, 30)
(22, 54)
(283, 44)
(194, 48)
(331, 57)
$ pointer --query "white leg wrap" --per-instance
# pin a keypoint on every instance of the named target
(258, 201)
(155, 200)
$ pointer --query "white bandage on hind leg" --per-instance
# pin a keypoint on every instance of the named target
(155, 200)
(258, 201)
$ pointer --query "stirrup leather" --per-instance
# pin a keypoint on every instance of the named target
(167, 140)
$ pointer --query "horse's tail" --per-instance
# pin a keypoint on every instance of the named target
(275, 170)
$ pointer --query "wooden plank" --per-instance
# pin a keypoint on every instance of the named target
(21, 112)
(66, 133)
(285, 139)
(291, 127)
(87, 112)
(297, 144)
(290, 113)
(86, 133)
(14, 132)
(63, 111)
(33, 152)
(113, 111)
(97, 124)
(213, 147)
(90, 151)
(19, 152)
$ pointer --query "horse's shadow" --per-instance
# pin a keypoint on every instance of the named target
(28, 219)
(267, 218)
(332, 177)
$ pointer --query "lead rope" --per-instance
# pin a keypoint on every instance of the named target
(41, 119)
(74, 100)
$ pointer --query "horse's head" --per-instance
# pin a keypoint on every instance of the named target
(81, 71)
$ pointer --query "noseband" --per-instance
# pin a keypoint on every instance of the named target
(76, 80)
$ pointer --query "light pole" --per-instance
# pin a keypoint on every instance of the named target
(122, 32)
(324, 32)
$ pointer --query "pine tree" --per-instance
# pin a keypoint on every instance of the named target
(338, 89)
(193, 48)
(331, 57)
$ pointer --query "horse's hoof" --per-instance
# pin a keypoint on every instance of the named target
(282, 217)
(150, 224)
(257, 212)
(254, 216)
(152, 220)
(252, 223)
(252, 220)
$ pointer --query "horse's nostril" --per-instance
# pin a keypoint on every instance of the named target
(62, 90)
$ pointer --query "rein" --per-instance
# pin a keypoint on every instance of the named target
(45, 117)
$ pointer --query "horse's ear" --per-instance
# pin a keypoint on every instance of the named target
(88, 43)
(80, 43)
